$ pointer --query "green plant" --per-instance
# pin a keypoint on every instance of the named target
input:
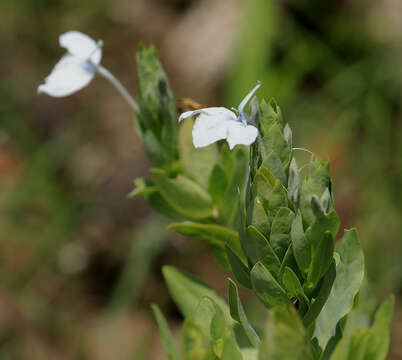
(283, 249)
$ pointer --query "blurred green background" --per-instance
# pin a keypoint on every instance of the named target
(80, 262)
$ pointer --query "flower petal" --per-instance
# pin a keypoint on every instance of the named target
(68, 76)
(81, 46)
(209, 129)
(240, 134)
(248, 97)
(220, 112)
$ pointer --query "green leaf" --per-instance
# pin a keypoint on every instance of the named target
(187, 290)
(315, 182)
(258, 217)
(316, 206)
(161, 205)
(154, 150)
(326, 201)
(300, 245)
(270, 115)
(237, 180)
(238, 314)
(259, 249)
(349, 276)
(215, 234)
(274, 164)
(285, 337)
(184, 195)
(218, 185)
(274, 141)
(280, 231)
(197, 163)
(287, 133)
(360, 316)
(321, 298)
(315, 234)
(168, 342)
(157, 118)
(321, 259)
(195, 346)
(294, 288)
(239, 269)
(267, 288)
(142, 187)
(269, 191)
(368, 344)
(378, 347)
(294, 183)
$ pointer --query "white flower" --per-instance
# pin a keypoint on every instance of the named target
(217, 123)
(75, 69)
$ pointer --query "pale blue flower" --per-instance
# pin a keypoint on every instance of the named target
(76, 69)
(218, 123)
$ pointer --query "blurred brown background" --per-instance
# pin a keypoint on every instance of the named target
(80, 262)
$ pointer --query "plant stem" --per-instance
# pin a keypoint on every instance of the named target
(118, 85)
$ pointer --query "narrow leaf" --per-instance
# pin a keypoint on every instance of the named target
(238, 314)
(301, 248)
(169, 344)
(239, 269)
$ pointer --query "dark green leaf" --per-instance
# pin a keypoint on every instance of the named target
(267, 288)
(238, 314)
(280, 231)
(239, 269)
(258, 217)
(316, 233)
(316, 206)
(301, 248)
(321, 298)
(259, 249)
(321, 259)
(294, 288)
